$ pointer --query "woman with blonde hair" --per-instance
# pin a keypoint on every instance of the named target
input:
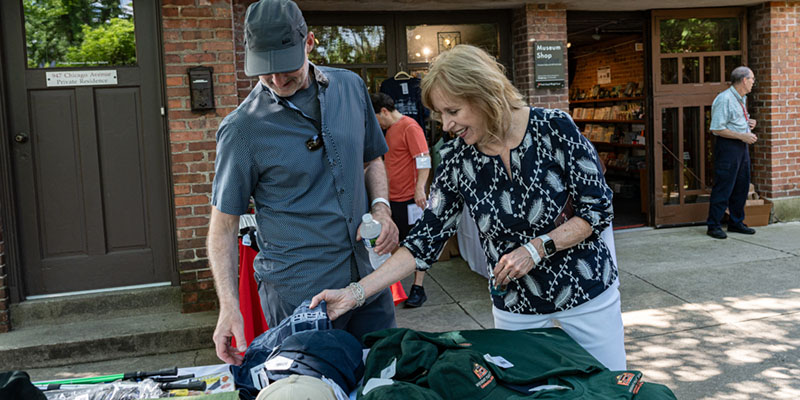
(533, 185)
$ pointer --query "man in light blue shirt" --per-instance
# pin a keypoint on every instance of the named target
(732, 125)
(306, 146)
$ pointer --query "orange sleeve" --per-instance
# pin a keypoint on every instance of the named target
(415, 138)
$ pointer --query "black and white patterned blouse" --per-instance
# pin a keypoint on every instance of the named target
(553, 161)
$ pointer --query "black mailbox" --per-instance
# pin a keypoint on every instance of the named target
(201, 87)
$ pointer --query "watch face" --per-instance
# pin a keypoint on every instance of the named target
(549, 247)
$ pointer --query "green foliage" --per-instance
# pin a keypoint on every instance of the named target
(113, 43)
(692, 35)
(52, 27)
(340, 44)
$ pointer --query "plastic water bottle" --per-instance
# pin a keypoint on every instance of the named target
(370, 230)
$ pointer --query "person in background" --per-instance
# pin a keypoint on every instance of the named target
(517, 169)
(731, 126)
(306, 146)
(407, 165)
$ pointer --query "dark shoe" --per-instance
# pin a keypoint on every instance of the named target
(717, 233)
(742, 228)
(416, 297)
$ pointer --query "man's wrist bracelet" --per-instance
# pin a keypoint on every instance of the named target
(358, 293)
(534, 253)
(380, 200)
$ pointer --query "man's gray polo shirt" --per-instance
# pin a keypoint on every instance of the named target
(308, 203)
(727, 112)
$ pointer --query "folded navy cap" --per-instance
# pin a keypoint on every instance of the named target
(302, 319)
(334, 354)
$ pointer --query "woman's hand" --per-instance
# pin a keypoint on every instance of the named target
(339, 301)
(512, 266)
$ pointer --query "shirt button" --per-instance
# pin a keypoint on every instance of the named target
(350, 220)
(341, 191)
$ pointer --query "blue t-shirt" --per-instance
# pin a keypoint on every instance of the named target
(407, 96)
(308, 203)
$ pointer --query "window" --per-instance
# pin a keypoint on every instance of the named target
(79, 33)
(359, 48)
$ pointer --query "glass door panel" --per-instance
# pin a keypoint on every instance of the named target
(691, 145)
(79, 34)
(669, 71)
(669, 146)
(691, 70)
(711, 69)
(708, 146)
(731, 62)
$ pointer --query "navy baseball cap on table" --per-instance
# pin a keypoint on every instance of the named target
(302, 319)
(274, 35)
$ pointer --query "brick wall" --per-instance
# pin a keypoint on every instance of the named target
(530, 23)
(627, 64)
(5, 323)
(196, 32)
(775, 100)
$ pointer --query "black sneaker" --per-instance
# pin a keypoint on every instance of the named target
(741, 229)
(416, 297)
(717, 233)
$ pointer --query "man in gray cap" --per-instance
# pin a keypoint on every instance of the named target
(306, 146)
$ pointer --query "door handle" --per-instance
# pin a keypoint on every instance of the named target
(21, 137)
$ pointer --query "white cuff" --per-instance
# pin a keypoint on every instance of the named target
(380, 200)
(534, 253)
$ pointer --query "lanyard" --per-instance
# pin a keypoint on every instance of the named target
(746, 116)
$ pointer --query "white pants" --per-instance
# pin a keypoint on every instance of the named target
(596, 325)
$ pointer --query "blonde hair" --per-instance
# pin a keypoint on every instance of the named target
(472, 74)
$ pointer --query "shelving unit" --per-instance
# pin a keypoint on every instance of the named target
(617, 141)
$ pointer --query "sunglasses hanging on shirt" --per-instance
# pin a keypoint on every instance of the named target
(315, 143)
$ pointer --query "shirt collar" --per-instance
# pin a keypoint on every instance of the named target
(319, 76)
(736, 94)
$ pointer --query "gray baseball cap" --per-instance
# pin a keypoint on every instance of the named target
(274, 35)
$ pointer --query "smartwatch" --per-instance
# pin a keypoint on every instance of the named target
(548, 245)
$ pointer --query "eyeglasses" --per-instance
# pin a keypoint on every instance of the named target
(315, 143)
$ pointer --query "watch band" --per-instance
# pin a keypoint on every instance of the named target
(548, 246)
(380, 200)
(534, 253)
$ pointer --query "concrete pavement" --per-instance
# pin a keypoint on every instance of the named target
(711, 319)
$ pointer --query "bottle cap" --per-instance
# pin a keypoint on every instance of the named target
(366, 218)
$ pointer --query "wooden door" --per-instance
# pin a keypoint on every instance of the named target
(694, 52)
(89, 158)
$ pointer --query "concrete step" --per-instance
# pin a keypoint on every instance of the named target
(105, 326)
(104, 305)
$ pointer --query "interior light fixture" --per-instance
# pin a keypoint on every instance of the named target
(596, 34)
(569, 44)
(426, 51)
(418, 37)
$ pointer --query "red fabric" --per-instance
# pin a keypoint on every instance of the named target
(249, 302)
(398, 293)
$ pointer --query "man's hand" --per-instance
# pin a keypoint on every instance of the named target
(389, 237)
(230, 325)
(751, 123)
(338, 302)
(420, 197)
(749, 137)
